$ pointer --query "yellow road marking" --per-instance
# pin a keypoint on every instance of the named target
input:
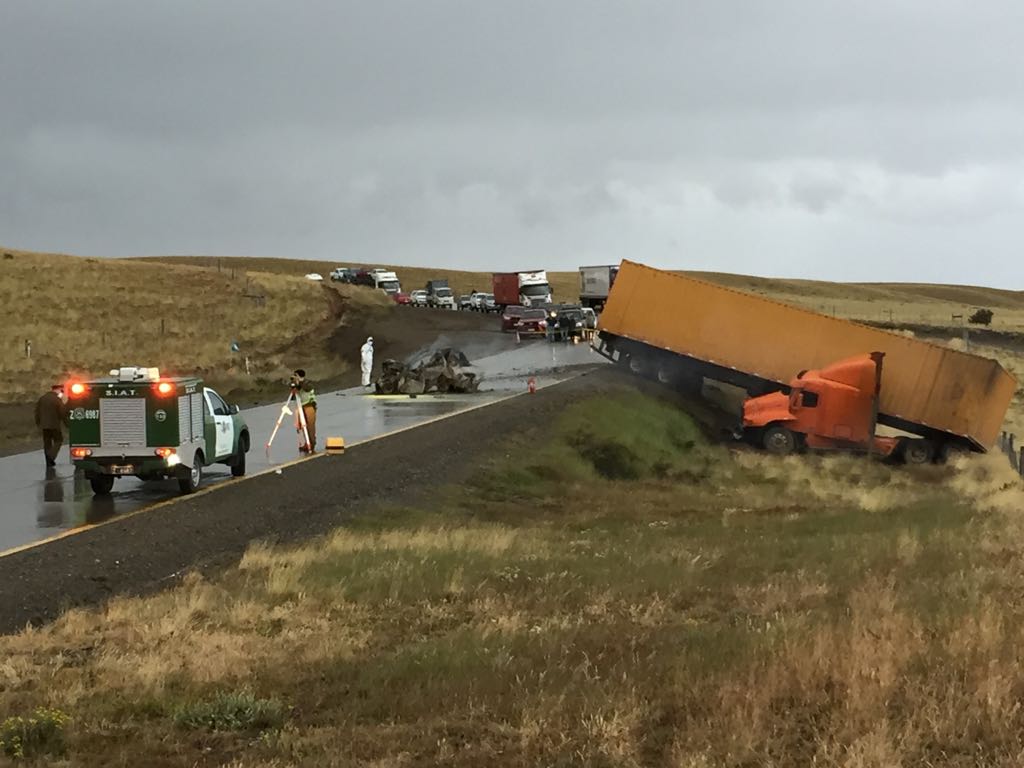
(270, 470)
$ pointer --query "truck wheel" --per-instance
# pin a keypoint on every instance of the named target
(918, 451)
(102, 484)
(238, 464)
(779, 441)
(191, 477)
(637, 364)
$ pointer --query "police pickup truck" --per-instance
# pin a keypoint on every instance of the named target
(140, 424)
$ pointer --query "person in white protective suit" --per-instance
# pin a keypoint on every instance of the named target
(366, 355)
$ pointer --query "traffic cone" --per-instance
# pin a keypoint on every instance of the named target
(531, 385)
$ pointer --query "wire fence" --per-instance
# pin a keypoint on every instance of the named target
(1015, 453)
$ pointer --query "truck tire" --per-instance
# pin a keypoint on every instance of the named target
(238, 464)
(779, 441)
(917, 451)
(102, 485)
(191, 477)
(637, 364)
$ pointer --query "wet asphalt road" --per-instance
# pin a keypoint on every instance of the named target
(38, 503)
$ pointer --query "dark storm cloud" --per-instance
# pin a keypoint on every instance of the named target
(790, 137)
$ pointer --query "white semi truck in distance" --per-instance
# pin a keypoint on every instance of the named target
(386, 281)
(527, 289)
(595, 284)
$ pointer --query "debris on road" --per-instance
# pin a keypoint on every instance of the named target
(446, 370)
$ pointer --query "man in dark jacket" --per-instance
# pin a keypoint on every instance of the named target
(51, 416)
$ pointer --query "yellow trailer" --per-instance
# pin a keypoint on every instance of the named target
(680, 328)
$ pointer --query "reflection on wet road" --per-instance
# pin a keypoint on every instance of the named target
(38, 503)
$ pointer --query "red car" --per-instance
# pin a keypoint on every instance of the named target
(510, 316)
(533, 322)
(401, 298)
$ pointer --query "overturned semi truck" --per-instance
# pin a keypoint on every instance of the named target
(681, 330)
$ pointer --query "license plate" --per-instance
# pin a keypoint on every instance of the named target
(122, 469)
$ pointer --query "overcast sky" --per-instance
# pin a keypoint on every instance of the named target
(878, 140)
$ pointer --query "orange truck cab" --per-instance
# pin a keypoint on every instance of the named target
(835, 408)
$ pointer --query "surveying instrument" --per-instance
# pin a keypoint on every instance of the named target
(300, 421)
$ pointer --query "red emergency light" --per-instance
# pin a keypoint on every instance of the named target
(164, 388)
(77, 389)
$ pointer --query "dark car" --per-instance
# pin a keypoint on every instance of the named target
(510, 316)
(568, 322)
(533, 322)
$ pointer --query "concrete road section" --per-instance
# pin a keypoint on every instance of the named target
(38, 503)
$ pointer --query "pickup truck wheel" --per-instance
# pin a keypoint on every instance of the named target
(238, 463)
(918, 451)
(102, 485)
(191, 477)
(779, 441)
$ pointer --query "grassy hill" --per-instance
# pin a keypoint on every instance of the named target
(84, 316)
(875, 302)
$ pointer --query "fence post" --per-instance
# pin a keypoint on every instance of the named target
(1020, 465)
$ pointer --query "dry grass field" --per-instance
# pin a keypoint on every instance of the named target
(620, 594)
(873, 302)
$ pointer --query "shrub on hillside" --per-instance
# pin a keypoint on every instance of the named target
(981, 317)
(42, 733)
(233, 712)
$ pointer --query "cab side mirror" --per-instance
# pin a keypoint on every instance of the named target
(234, 409)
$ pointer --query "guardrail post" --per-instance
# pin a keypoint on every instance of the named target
(1020, 465)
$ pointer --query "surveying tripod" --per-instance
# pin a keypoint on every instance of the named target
(300, 422)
